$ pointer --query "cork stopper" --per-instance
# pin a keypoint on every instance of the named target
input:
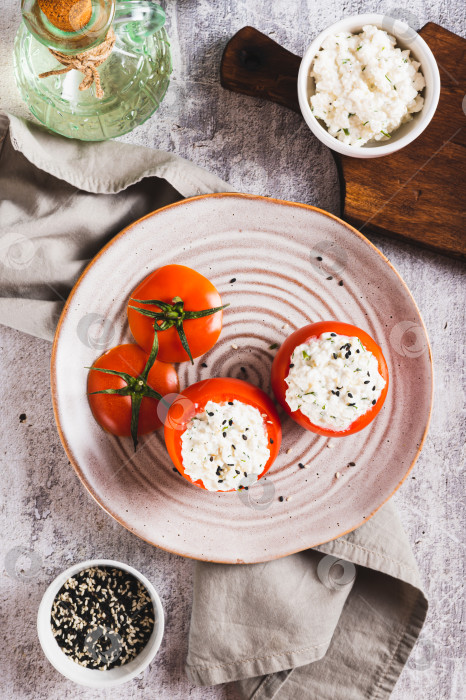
(67, 15)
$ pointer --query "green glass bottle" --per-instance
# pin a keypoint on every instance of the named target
(134, 77)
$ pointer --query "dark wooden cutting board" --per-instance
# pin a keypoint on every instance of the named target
(417, 193)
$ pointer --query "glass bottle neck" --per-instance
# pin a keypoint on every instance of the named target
(89, 36)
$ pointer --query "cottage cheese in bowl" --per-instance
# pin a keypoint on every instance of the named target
(225, 446)
(333, 380)
(365, 87)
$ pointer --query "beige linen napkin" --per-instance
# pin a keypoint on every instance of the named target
(334, 623)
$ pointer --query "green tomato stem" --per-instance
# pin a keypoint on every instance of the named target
(137, 388)
(173, 315)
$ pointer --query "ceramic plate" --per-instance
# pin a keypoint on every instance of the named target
(280, 266)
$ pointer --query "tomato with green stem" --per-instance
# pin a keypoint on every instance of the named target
(183, 307)
(125, 386)
(193, 400)
(281, 369)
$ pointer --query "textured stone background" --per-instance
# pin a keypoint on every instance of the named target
(263, 149)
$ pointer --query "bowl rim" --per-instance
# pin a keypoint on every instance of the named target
(94, 678)
(425, 116)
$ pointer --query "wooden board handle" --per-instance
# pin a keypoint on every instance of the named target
(255, 65)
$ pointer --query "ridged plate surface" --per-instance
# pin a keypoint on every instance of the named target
(272, 249)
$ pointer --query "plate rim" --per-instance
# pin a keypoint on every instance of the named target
(53, 382)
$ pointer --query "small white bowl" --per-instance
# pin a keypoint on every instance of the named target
(93, 678)
(406, 38)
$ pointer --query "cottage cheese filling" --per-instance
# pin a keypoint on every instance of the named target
(333, 380)
(225, 446)
(365, 87)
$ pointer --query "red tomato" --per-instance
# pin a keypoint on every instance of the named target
(114, 412)
(193, 401)
(183, 292)
(281, 368)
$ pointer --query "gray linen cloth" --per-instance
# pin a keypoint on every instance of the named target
(334, 623)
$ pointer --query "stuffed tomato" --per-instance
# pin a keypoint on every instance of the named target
(222, 434)
(331, 378)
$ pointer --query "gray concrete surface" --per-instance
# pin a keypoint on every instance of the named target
(263, 149)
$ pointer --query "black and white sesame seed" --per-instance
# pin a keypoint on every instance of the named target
(102, 617)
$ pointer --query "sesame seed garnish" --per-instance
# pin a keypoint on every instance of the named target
(291, 365)
(335, 356)
(230, 422)
(281, 499)
(351, 464)
(224, 434)
(234, 346)
(350, 395)
(230, 403)
(301, 465)
(210, 413)
(330, 277)
(334, 335)
(319, 258)
(211, 458)
(374, 402)
(102, 617)
(340, 283)
(337, 475)
(368, 381)
(290, 449)
(203, 364)
(245, 437)
(271, 441)
(351, 404)
(373, 388)
(233, 279)
(288, 498)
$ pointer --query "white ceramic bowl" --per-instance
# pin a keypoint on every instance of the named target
(93, 678)
(406, 38)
